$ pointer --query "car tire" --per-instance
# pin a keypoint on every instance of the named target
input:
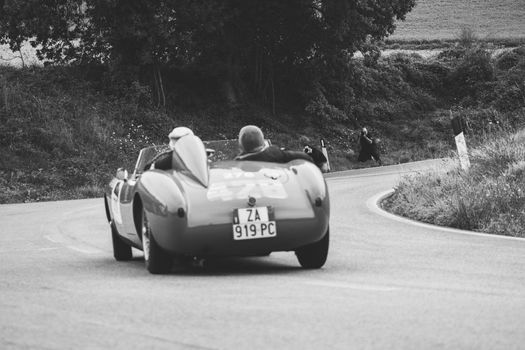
(156, 259)
(121, 250)
(313, 256)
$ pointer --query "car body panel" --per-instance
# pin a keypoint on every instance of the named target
(190, 209)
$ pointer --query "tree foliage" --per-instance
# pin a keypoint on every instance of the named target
(246, 45)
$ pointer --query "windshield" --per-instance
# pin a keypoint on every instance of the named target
(225, 149)
(192, 153)
(147, 155)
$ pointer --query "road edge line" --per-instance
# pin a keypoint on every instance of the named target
(373, 203)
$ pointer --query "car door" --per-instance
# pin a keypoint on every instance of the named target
(125, 199)
(115, 205)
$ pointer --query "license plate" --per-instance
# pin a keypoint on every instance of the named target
(253, 223)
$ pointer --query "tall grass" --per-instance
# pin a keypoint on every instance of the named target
(62, 138)
(64, 130)
(489, 198)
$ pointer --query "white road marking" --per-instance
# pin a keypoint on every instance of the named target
(373, 204)
(62, 240)
(84, 250)
(55, 239)
(364, 287)
(70, 241)
(16, 250)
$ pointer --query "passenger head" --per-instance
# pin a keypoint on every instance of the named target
(251, 139)
(364, 131)
(177, 133)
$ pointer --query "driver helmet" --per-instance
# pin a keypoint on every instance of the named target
(177, 133)
(251, 139)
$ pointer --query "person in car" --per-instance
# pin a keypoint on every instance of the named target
(164, 161)
(254, 147)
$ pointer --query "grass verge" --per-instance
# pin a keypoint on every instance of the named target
(489, 198)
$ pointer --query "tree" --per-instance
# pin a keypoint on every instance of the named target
(58, 26)
(246, 45)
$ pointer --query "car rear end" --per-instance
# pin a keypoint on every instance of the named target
(249, 208)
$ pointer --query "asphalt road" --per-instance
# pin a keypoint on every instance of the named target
(387, 284)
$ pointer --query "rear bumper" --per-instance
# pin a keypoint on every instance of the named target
(217, 240)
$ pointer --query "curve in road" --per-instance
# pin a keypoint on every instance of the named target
(387, 284)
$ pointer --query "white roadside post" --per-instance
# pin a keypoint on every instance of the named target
(323, 149)
(461, 144)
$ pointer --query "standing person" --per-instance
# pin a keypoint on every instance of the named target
(368, 147)
(318, 157)
(254, 147)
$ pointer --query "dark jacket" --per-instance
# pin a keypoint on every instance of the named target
(368, 148)
(274, 154)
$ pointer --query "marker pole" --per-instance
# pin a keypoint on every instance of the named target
(461, 144)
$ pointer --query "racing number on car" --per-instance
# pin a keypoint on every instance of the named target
(226, 191)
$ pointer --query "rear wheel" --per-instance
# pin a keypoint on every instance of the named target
(121, 250)
(156, 259)
(313, 256)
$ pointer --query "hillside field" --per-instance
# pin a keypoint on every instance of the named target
(444, 19)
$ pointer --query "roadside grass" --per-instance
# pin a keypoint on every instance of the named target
(65, 130)
(448, 43)
(59, 138)
(489, 198)
(63, 133)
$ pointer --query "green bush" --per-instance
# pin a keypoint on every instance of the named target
(489, 198)
(61, 133)
(510, 59)
(474, 69)
(394, 88)
(509, 92)
(418, 72)
(65, 130)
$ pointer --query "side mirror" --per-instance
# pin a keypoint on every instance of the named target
(122, 174)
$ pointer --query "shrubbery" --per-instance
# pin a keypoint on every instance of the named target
(477, 79)
(361, 94)
(489, 198)
(489, 96)
(474, 70)
(64, 130)
(59, 134)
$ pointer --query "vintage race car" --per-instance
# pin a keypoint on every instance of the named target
(202, 209)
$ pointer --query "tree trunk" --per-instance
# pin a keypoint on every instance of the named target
(158, 86)
(22, 57)
(232, 84)
(161, 88)
(4, 91)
